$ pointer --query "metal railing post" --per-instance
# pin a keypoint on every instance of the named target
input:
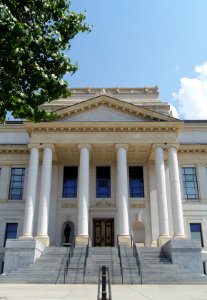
(104, 279)
(104, 293)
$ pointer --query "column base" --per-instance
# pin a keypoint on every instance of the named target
(124, 240)
(163, 239)
(154, 244)
(81, 240)
(44, 239)
(179, 237)
(26, 237)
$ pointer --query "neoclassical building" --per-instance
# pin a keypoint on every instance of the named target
(115, 163)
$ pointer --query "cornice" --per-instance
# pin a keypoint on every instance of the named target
(14, 149)
(197, 148)
(12, 127)
(60, 127)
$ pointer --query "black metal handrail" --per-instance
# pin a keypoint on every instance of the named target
(85, 260)
(120, 260)
(69, 254)
(102, 284)
(136, 255)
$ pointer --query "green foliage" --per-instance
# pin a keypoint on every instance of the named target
(35, 38)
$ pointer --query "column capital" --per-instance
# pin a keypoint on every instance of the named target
(43, 146)
(87, 146)
(176, 146)
(166, 146)
(125, 146)
(163, 146)
(37, 146)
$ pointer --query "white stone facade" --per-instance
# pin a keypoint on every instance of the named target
(117, 128)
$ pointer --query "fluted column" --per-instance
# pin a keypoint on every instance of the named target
(176, 201)
(83, 192)
(44, 203)
(122, 193)
(161, 193)
(31, 193)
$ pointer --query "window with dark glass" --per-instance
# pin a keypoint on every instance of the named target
(190, 183)
(136, 182)
(16, 183)
(11, 231)
(196, 232)
(70, 179)
(103, 182)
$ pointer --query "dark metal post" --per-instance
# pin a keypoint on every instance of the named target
(104, 293)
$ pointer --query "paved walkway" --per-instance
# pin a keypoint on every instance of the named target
(86, 292)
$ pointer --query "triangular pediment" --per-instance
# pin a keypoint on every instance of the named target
(108, 109)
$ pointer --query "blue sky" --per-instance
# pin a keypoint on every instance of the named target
(138, 43)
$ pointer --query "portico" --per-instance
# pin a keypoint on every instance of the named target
(83, 209)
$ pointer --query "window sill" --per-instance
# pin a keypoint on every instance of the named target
(137, 199)
(68, 199)
(16, 200)
(192, 200)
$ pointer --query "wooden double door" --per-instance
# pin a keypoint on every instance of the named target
(103, 232)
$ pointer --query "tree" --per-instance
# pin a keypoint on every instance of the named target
(35, 39)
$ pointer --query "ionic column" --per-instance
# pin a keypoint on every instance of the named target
(161, 194)
(31, 193)
(176, 201)
(122, 193)
(83, 192)
(44, 204)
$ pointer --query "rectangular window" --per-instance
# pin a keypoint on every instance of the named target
(196, 232)
(136, 182)
(190, 183)
(11, 231)
(103, 182)
(16, 183)
(70, 179)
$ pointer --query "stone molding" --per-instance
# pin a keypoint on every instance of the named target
(14, 149)
(197, 148)
(116, 90)
(109, 127)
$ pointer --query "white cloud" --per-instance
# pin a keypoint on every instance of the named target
(174, 111)
(192, 95)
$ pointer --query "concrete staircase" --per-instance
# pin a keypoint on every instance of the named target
(158, 269)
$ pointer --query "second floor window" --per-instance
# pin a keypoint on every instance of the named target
(136, 182)
(190, 183)
(70, 179)
(16, 183)
(103, 182)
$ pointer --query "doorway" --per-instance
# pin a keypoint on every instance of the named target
(103, 232)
